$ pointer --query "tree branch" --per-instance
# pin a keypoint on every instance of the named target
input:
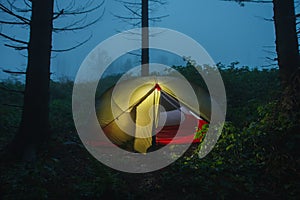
(158, 18)
(134, 54)
(132, 11)
(134, 8)
(6, 10)
(125, 18)
(72, 28)
(80, 12)
(18, 48)
(13, 39)
(27, 4)
(57, 15)
(128, 2)
(13, 7)
(13, 72)
(74, 47)
(250, 1)
(159, 2)
(266, 19)
(13, 23)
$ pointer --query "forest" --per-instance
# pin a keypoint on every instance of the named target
(255, 157)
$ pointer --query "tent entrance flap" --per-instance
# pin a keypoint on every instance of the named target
(146, 121)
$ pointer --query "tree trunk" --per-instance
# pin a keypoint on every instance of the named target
(145, 38)
(287, 52)
(34, 127)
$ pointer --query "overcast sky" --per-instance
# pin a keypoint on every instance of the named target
(227, 31)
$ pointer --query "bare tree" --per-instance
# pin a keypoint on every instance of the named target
(139, 16)
(139, 11)
(39, 17)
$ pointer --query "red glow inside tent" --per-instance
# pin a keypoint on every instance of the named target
(166, 134)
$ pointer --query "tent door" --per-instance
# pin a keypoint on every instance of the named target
(147, 113)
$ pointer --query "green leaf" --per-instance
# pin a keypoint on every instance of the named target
(229, 147)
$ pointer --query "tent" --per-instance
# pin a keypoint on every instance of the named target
(144, 111)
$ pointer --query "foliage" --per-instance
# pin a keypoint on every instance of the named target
(71, 173)
(61, 107)
(10, 112)
(256, 155)
(258, 161)
(200, 132)
(246, 88)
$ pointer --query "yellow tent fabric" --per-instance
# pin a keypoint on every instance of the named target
(127, 110)
(146, 113)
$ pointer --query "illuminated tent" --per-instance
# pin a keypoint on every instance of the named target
(152, 110)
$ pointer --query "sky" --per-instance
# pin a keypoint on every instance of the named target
(226, 30)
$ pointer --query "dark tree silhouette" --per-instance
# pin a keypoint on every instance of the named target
(145, 38)
(287, 49)
(140, 11)
(287, 52)
(34, 126)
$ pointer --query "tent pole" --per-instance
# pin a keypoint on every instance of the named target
(153, 123)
